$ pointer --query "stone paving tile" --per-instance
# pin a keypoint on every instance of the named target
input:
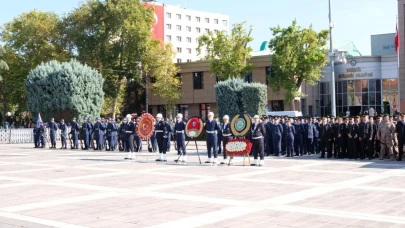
(389, 182)
(13, 167)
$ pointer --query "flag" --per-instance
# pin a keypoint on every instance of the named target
(39, 120)
(397, 41)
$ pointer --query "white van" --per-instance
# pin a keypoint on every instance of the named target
(285, 113)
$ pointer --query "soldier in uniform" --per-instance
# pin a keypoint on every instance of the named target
(289, 137)
(325, 136)
(268, 139)
(258, 133)
(352, 132)
(277, 133)
(179, 130)
(129, 133)
(63, 133)
(212, 127)
(159, 128)
(74, 131)
(167, 131)
(53, 128)
(385, 135)
(400, 130)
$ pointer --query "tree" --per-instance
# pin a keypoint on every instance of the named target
(64, 90)
(299, 55)
(29, 39)
(234, 96)
(3, 68)
(158, 63)
(112, 36)
(229, 54)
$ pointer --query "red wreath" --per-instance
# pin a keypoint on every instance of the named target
(243, 152)
(146, 126)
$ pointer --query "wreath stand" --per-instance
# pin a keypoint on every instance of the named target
(198, 154)
(244, 155)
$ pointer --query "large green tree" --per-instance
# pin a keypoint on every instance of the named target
(29, 39)
(229, 54)
(112, 36)
(158, 63)
(3, 68)
(64, 90)
(299, 55)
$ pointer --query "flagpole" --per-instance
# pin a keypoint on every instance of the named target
(332, 63)
(399, 87)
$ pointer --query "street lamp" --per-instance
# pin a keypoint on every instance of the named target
(332, 64)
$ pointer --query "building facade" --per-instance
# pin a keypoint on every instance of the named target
(383, 44)
(182, 27)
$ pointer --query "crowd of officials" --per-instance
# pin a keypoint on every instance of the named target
(356, 137)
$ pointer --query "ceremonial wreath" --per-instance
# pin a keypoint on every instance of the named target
(238, 147)
(146, 126)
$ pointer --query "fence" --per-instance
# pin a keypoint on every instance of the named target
(23, 135)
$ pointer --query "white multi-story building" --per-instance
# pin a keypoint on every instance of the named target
(182, 27)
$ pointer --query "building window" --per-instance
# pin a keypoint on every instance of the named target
(303, 106)
(224, 22)
(198, 30)
(188, 29)
(168, 15)
(188, 17)
(168, 26)
(178, 27)
(324, 93)
(162, 109)
(198, 80)
(207, 30)
(168, 37)
(216, 21)
(189, 60)
(277, 106)
(204, 110)
(248, 78)
(179, 50)
(178, 16)
(183, 109)
(310, 112)
(189, 50)
(269, 74)
(178, 60)
(198, 19)
(207, 20)
(188, 39)
(178, 38)
(216, 31)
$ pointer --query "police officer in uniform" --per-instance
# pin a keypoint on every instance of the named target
(122, 131)
(400, 130)
(53, 128)
(167, 131)
(316, 135)
(325, 135)
(226, 136)
(179, 130)
(258, 133)
(74, 131)
(99, 134)
(42, 135)
(153, 140)
(299, 131)
(277, 133)
(289, 137)
(265, 120)
(63, 133)
(85, 134)
(309, 136)
(159, 135)
(36, 137)
(267, 139)
(112, 130)
(90, 128)
(129, 133)
(138, 140)
(365, 134)
(352, 132)
(212, 127)
(340, 139)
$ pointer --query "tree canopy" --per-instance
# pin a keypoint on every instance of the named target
(299, 55)
(64, 90)
(229, 54)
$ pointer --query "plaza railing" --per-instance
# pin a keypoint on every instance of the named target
(23, 135)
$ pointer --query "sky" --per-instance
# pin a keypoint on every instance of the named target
(355, 20)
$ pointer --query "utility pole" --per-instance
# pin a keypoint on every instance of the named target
(332, 63)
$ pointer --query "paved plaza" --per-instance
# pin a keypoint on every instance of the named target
(65, 188)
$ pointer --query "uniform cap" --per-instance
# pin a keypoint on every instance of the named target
(179, 115)
(74, 118)
(159, 115)
(129, 116)
(256, 117)
(98, 118)
(52, 119)
(62, 120)
(165, 119)
(226, 117)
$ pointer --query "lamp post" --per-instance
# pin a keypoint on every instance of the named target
(332, 63)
